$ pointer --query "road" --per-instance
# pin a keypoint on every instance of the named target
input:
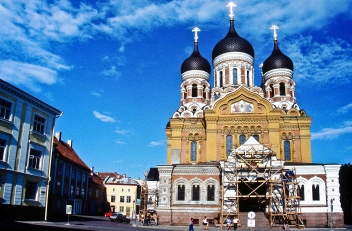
(104, 224)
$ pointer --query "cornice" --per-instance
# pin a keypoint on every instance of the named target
(27, 97)
(233, 56)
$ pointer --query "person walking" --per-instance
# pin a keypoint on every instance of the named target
(235, 222)
(228, 223)
(191, 225)
(205, 223)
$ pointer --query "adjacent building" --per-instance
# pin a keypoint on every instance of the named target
(122, 194)
(26, 141)
(69, 180)
(97, 201)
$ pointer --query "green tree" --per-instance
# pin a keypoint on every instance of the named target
(345, 181)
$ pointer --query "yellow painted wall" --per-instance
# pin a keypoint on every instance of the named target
(272, 125)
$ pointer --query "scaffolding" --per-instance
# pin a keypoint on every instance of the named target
(254, 180)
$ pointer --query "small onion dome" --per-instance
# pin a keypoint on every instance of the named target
(232, 43)
(277, 60)
(195, 62)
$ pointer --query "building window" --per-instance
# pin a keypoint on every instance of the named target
(282, 89)
(242, 139)
(256, 137)
(121, 190)
(128, 199)
(84, 177)
(113, 189)
(301, 192)
(2, 149)
(194, 90)
(121, 209)
(210, 193)
(315, 192)
(90, 192)
(122, 199)
(228, 145)
(128, 190)
(193, 151)
(83, 192)
(78, 191)
(39, 124)
(72, 190)
(234, 73)
(248, 80)
(181, 192)
(287, 150)
(112, 198)
(34, 158)
(31, 190)
(67, 170)
(96, 193)
(271, 90)
(73, 174)
(221, 79)
(204, 93)
(195, 192)
(5, 109)
(59, 168)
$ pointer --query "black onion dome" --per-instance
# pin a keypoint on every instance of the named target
(195, 62)
(277, 60)
(232, 43)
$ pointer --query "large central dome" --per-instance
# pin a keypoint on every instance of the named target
(232, 43)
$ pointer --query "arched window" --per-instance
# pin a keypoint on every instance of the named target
(234, 73)
(211, 193)
(195, 192)
(282, 89)
(204, 93)
(194, 90)
(216, 96)
(242, 139)
(181, 192)
(193, 151)
(256, 137)
(301, 192)
(271, 90)
(315, 192)
(220, 78)
(248, 78)
(228, 144)
(287, 150)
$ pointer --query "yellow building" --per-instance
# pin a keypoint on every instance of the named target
(121, 195)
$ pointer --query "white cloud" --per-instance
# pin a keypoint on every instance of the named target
(122, 132)
(156, 143)
(96, 94)
(120, 142)
(112, 72)
(27, 74)
(103, 118)
(332, 133)
(345, 108)
(318, 62)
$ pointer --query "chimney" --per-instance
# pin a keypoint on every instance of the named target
(58, 135)
(69, 142)
(91, 171)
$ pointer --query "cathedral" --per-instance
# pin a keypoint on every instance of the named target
(234, 148)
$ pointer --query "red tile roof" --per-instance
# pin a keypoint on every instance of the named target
(97, 180)
(67, 152)
(103, 175)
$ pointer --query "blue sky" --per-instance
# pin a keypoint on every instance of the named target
(113, 67)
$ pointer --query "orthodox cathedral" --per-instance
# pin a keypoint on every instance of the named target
(236, 148)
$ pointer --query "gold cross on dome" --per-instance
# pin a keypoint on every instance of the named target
(274, 27)
(231, 5)
(196, 30)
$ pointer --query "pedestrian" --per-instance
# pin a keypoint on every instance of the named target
(286, 227)
(235, 222)
(190, 225)
(156, 219)
(228, 223)
(205, 223)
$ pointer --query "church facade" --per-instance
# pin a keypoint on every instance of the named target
(213, 124)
